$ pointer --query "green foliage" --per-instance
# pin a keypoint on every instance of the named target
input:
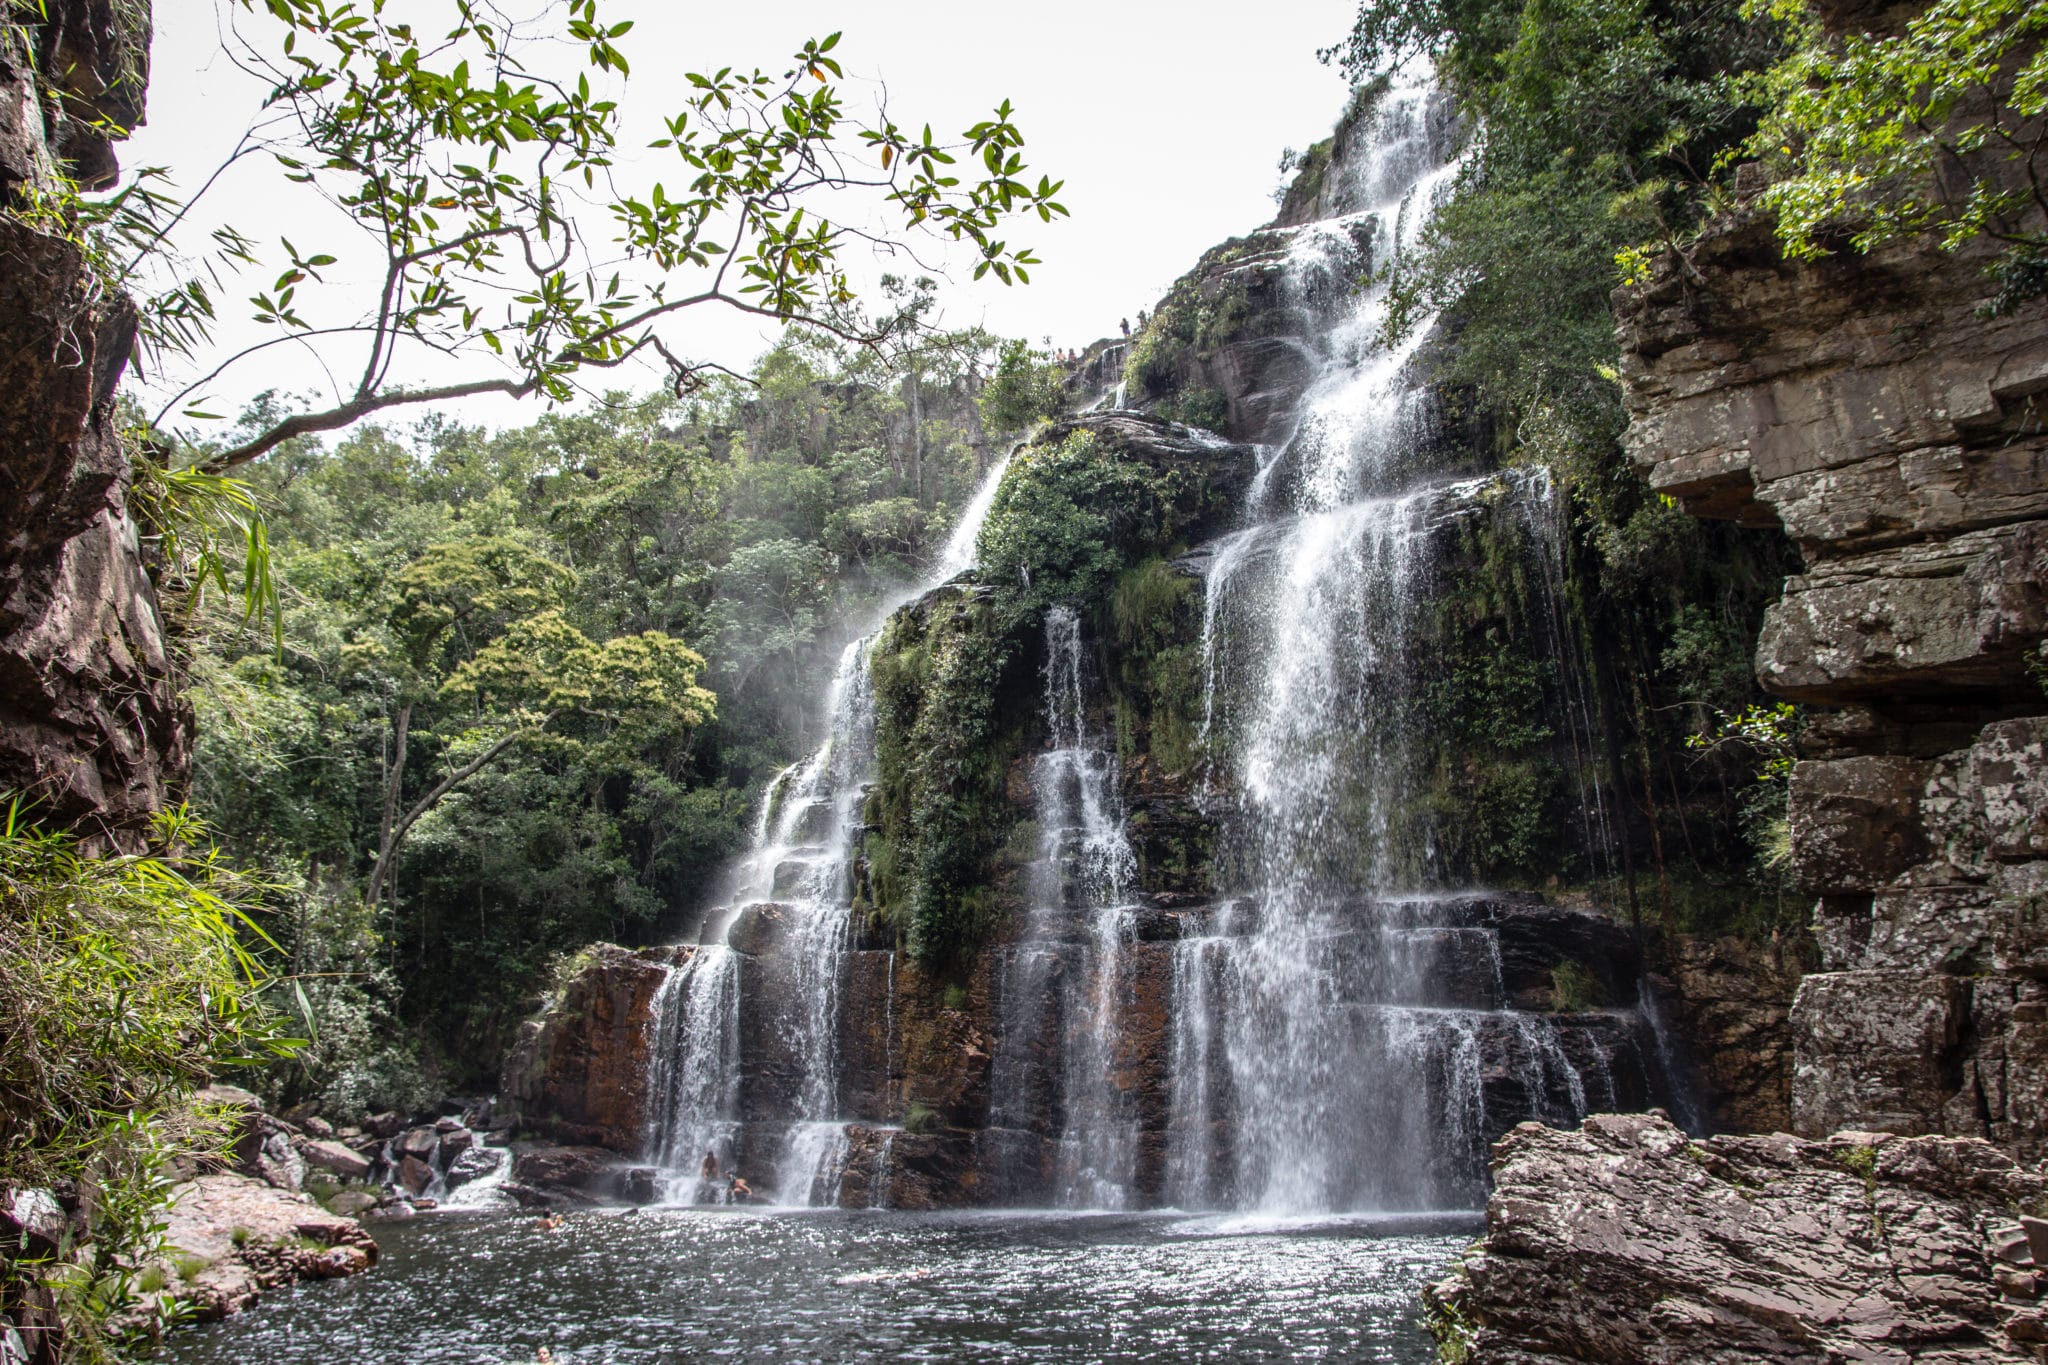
(1573, 989)
(466, 169)
(1025, 389)
(1456, 1336)
(561, 600)
(127, 983)
(944, 742)
(1604, 124)
(1862, 1161)
(920, 1118)
(1155, 619)
(1189, 323)
(1056, 528)
(206, 525)
(1936, 129)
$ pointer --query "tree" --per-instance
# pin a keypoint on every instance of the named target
(1938, 129)
(472, 178)
(1025, 389)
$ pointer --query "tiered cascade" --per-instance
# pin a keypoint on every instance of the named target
(1065, 987)
(1322, 1020)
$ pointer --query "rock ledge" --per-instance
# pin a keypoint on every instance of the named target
(1626, 1241)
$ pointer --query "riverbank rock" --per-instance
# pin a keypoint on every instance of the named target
(1624, 1241)
(231, 1237)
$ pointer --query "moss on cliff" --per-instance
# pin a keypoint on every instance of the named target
(1155, 619)
(1084, 518)
(946, 729)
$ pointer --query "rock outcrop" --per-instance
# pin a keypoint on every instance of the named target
(1626, 1242)
(578, 1071)
(1869, 407)
(90, 723)
(230, 1237)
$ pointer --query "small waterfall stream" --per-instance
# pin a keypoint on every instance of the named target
(1346, 1034)
(1065, 984)
(792, 891)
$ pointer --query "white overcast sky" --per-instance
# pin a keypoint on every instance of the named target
(1165, 120)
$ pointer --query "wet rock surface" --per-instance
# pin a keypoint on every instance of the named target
(90, 722)
(1627, 1242)
(577, 1073)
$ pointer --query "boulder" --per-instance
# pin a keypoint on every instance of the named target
(579, 1170)
(352, 1203)
(32, 1221)
(332, 1156)
(1627, 1242)
(385, 1125)
(472, 1164)
(420, 1143)
(265, 1150)
(251, 1237)
(415, 1175)
(578, 1072)
(454, 1142)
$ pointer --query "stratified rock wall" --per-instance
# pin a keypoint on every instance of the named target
(1866, 405)
(1625, 1243)
(90, 723)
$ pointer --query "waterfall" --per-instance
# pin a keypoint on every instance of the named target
(1068, 974)
(793, 895)
(1341, 1028)
(1334, 1055)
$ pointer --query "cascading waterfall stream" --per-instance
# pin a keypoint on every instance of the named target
(1340, 1029)
(1320, 1017)
(794, 884)
(1072, 949)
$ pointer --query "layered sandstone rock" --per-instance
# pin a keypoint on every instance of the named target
(90, 723)
(230, 1237)
(1626, 1242)
(1866, 404)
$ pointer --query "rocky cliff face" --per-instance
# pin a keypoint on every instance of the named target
(89, 722)
(578, 1071)
(1865, 404)
(970, 1079)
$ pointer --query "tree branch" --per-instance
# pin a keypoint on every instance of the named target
(426, 803)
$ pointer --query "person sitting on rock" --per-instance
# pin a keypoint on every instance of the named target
(708, 1170)
(739, 1192)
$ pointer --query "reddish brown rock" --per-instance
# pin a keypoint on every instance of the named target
(1732, 1006)
(1869, 406)
(578, 1071)
(229, 1238)
(91, 722)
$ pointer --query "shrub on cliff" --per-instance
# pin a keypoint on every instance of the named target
(1938, 130)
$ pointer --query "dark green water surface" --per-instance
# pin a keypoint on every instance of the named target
(673, 1285)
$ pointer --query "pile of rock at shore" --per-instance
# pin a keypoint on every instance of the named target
(1626, 1241)
(388, 1166)
(292, 1198)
